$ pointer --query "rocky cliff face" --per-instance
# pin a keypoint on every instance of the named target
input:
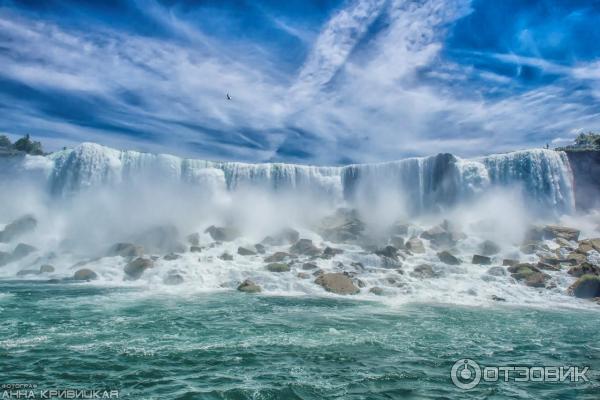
(585, 165)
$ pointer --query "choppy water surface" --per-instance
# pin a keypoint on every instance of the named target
(228, 345)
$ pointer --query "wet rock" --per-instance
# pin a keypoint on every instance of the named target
(584, 269)
(278, 257)
(278, 267)
(529, 274)
(388, 252)
(564, 243)
(243, 251)
(358, 265)
(222, 234)
(303, 275)
(376, 290)
(46, 268)
(397, 241)
(534, 234)
(25, 272)
(575, 258)
(318, 272)
(388, 262)
(308, 266)
(344, 226)
(260, 249)
(415, 245)
(481, 260)
(331, 252)
(134, 269)
(338, 283)
(171, 257)
(18, 227)
(305, 247)
(249, 287)
(125, 250)
(196, 249)
(548, 267)
(555, 231)
(173, 278)
(21, 251)
(283, 237)
(226, 257)
(497, 298)
(489, 248)
(85, 274)
(438, 236)
(447, 258)
(497, 271)
(193, 239)
(507, 262)
(424, 271)
(586, 287)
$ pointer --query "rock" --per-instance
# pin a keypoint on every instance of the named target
(584, 269)
(497, 271)
(425, 271)
(278, 267)
(397, 241)
(575, 258)
(304, 247)
(376, 290)
(554, 231)
(331, 252)
(337, 283)
(125, 250)
(193, 239)
(222, 234)
(489, 248)
(21, 251)
(507, 262)
(249, 287)
(358, 265)
(438, 236)
(46, 268)
(173, 278)
(171, 257)
(85, 274)
(388, 262)
(303, 275)
(586, 287)
(415, 245)
(134, 269)
(196, 249)
(242, 251)
(343, 226)
(564, 243)
(496, 298)
(529, 274)
(584, 247)
(278, 257)
(226, 257)
(284, 236)
(447, 258)
(388, 251)
(25, 272)
(308, 266)
(260, 249)
(534, 234)
(547, 266)
(481, 260)
(18, 227)
(318, 272)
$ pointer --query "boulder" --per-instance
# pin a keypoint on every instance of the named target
(555, 231)
(46, 268)
(85, 274)
(548, 267)
(424, 271)
(376, 290)
(388, 262)
(507, 262)
(278, 257)
(415, 245)
(496, 298)
(481, 260)
(584, 247)
(586, 287)
(331, 252)
(243, 251)
(226, 257)
(278, 267)
(489, 248)
(584, 269)
(497, 271)
(397, 241)
(529, 274)
(18, 227)
(283, 237)
(304, 247)
(308, 266)
(343, 226)
(171, 257)
(448, 258)
(21, 251)
(222, 234)
(388, 252)
(260, 249)
(193, 239)
(249, 287)
(338, 283)
(438, 236)
(173, 278)
(134, 269)
(125, 250)
(576, 258)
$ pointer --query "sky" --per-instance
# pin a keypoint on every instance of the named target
(315, 82)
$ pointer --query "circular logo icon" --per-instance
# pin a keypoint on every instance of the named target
(465, 374)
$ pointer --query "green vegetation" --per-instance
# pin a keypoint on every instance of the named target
(584, 141)
(25, 145)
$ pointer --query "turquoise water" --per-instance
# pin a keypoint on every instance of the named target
(228, 345)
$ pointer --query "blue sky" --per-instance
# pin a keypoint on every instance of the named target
(319, 82)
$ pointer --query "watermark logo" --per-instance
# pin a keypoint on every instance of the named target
(467, 374)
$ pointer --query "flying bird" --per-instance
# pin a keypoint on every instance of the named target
(228, 96)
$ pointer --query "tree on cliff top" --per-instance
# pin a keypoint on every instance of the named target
(5, 141)
(28, 146)
(584, 141)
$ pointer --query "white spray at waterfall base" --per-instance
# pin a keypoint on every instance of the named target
(87, 199)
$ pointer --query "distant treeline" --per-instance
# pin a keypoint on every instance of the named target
(584, 141)
(25, 145)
